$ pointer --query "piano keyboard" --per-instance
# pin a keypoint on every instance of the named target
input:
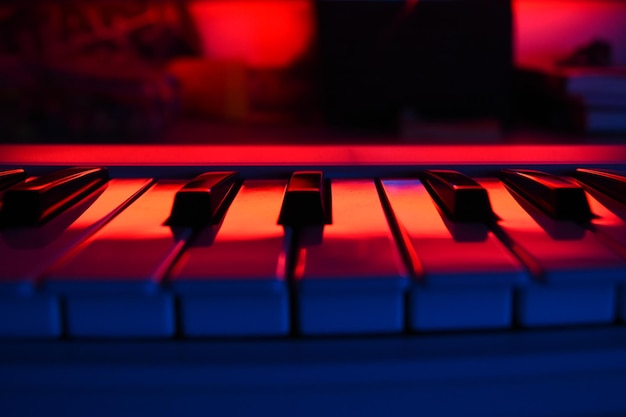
(391, 256)
(408, 286)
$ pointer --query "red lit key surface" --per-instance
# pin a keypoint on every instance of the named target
(10, 177)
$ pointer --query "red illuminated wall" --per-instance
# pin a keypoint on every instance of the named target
(262, 34)
(548, 30)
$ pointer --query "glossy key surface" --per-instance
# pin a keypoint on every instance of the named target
(459, 196)
(610, 183)
(11, 177)
(231, 280)
(305, 200)
(465, 277)
(558, 197)
(38, 199)
(203, 200)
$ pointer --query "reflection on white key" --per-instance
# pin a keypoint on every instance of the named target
(233, 284)
(354, 280)
(26, 252)
(466, 275)
(112, 284)
(578, 273)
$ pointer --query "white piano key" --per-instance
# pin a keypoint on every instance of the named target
(609, 222)
(233, 283)
(26, 253)
(112, 285)
(578, 275)
(466, 276)
(353, 280)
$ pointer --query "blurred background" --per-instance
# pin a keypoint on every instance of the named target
(294, 71)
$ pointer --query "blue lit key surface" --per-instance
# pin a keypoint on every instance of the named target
(466, 276)
(353, 280)
(231, 280)
(26, 253)
(112, 285)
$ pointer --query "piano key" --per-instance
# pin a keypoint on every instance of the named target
(575, 274)
(203, 200)
(26, 253)
(11, 177)
(305, 201)
(459, 196)
(609, 224)
(37, 200)
(352, 280)
(465, 275)
(610, 183)
(112, 285)
(557, 197)
(231, 280)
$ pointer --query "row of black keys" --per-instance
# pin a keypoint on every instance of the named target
(204, 199)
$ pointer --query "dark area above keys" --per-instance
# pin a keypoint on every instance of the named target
(559, 198)
(203, 200)
(458, 195)
(37, 200)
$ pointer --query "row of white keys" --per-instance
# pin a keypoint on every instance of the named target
(353, 279)
(466, 276)
(232, 281)
(26, 252)
(112, 285)
(578, 273)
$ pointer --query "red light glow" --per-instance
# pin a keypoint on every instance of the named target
(547, 31)
(307, 156)
(262, 34)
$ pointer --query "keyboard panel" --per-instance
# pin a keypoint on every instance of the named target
(523, 269)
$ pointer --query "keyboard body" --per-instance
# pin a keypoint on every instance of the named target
(545, 371)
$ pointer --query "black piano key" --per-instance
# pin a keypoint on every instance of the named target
(559, 198)
(11, 177)
(610, 183)
(35, 201)
(459, 196)
(306, 201)
(204, 199)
